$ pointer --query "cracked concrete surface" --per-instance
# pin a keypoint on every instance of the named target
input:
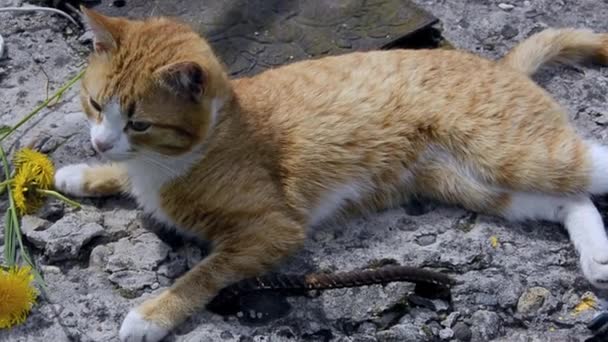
(101, 260)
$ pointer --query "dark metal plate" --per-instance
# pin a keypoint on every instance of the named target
(250, 36)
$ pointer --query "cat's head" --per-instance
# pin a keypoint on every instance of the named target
(151, 87)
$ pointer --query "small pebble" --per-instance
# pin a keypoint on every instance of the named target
(532, 300)
(1, 47)
(451, 319)
(50, 269)
(509, 32)
(462, 332)
(505, 7)
(39, 58)
(446, 334)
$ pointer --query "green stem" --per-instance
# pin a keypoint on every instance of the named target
(43, 105)
(59, 196)
(9, 240)
(6, 182)
(14, 225)
(9, 233)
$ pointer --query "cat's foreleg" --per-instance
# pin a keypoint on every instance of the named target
(240, 254)
(85, 180)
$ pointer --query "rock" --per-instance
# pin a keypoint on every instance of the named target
(144, 252)
(399, 333)
(446, 334)
(440, 305)
(133, 280)
(53, 211)
(462, 332)
(63, 239)
(49, 269)
(532, 300)
(437, 305)
(358, 338)
(486, 299)
(99, 256)
(420, 315)
(2, 47)
(432, 328)
(505, 7)
(427, 239)
(508, 295)
(451, 319)
(508, 32)
(31, 226)
(601, 119)
(485, 325)
(226, 335)
(38, 58)
(118, 222)
(367, 328)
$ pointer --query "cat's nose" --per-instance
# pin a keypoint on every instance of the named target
(101, 146)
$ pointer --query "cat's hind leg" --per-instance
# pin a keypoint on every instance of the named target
(442, 177)
(597, 157)
(85, 180)
(581, 219)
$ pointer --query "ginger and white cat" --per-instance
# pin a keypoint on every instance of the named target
(250, 163)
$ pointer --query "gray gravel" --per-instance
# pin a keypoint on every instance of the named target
(100, 261)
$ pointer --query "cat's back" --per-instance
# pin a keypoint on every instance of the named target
(357, 88)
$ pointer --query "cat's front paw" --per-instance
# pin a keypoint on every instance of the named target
(70, 180)
(135, 328)
(595, 267)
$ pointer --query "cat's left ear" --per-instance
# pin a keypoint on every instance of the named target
(185, 79)
(106, 30)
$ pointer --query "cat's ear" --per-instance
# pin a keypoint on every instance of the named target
(106, 30)
(185, 79)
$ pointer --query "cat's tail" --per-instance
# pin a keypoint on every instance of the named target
(566, 45)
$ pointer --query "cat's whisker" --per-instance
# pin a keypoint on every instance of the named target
(164, 167)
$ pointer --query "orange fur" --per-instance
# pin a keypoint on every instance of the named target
(294, 145)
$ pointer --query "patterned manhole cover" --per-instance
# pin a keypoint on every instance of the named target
(253, 35)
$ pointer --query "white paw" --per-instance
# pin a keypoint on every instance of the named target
(595, 267)
(136, 329)
(70, 179)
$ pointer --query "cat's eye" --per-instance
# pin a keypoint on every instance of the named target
(139, 126)
(94, 104)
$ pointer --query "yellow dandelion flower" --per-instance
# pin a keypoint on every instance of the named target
(17, 295)
(588, 302)
(494, 242)
(27, 199)
(41, 167)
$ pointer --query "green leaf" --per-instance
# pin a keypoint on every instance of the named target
(10, 248)
(4, 129)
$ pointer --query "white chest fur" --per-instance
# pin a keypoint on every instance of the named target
(146, 181)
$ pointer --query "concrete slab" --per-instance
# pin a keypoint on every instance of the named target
(251, 36)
